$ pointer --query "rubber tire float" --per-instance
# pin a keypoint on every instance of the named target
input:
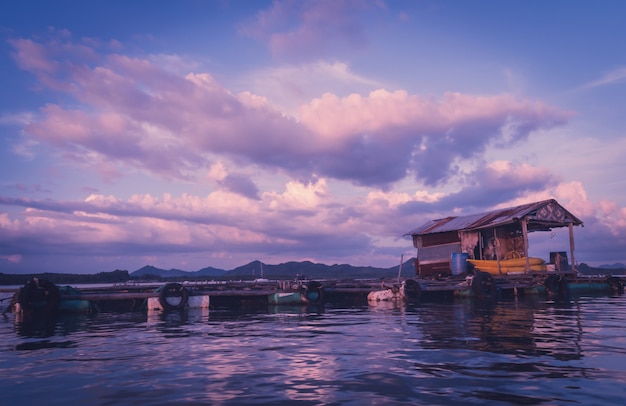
(39, 295)
(173, 290)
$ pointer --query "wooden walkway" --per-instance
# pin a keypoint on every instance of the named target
(134, 296)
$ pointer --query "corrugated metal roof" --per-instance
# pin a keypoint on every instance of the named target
(494, 218)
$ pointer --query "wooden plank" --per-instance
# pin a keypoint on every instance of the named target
(110, 296)
(449, 237)
(525, 236)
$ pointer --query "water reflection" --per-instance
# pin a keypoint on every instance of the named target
(43, 326)
(528, 327)
(35, 325)
(296, 310)
(510, 352)
(44, 344)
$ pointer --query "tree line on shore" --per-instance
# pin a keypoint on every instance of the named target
(116, 276)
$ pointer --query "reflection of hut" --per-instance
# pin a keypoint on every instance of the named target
(499, 236)
(528, 327)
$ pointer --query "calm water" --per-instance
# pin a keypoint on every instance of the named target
(512, 352)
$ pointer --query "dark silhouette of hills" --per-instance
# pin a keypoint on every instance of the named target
(287, 270)
(616, 269)
(617, 265)
(169, 273)
(117, 276)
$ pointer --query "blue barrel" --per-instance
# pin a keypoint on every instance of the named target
(459, 262)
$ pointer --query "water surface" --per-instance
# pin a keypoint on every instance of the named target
(530, 351)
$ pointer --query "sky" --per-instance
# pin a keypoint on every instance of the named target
(188, 134)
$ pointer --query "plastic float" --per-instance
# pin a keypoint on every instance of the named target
(408, 289)
(174, 296)
(311, 293)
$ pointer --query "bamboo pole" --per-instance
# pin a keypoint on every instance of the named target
(481, 246)
(525, 234)
(495, 246)
(571, 246)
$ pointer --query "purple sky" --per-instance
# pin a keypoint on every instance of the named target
(213, 133)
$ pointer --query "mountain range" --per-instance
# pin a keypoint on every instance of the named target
(617, 265)
(256, 269)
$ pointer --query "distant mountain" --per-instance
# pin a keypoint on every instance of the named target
(617, 265)
(619, 269)
(312, 270)
(150, 270)
(287, 270)
(210, 271)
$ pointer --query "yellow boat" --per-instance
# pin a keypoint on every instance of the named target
(508, 265)
(492, 263)
(513, 269)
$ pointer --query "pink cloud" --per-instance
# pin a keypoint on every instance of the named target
(306, 29)
(291, 220)
(299, 222)
(395, 132)
(133, 112)
(331, 116)
(514, 176)
(59, 126)
(12, 258)
(32, 56)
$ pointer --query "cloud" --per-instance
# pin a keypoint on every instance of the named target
(118, 114)
(133, 114)
(290, 86)
(305, 220)
(240, 184)
(610, 78)
(376, 140)
(492, 184)
(32, 56)
(11, 258)
(309, 29)
(288, 224)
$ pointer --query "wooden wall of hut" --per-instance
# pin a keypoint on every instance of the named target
(502, 243)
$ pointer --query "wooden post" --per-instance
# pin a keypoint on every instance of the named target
(571, 246)
(525, 236)
(495, 246)
(481, 246)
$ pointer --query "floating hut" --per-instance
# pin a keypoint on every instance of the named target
(495, 242)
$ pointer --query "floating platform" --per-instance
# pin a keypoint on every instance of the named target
(43, 296)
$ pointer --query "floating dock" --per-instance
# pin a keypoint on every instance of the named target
(44, 296)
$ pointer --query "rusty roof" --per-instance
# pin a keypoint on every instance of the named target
(546, 213)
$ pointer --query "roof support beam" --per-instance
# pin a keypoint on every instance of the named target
(571, 246)
(525, 236)
(496, 243)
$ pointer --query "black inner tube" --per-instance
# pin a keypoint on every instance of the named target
(557, 286)
(39, 295)
(483, 285)
(617, 284)
(173, 290)
(314, 292)
(412, 289)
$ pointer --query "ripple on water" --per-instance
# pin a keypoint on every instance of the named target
(511, 352)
